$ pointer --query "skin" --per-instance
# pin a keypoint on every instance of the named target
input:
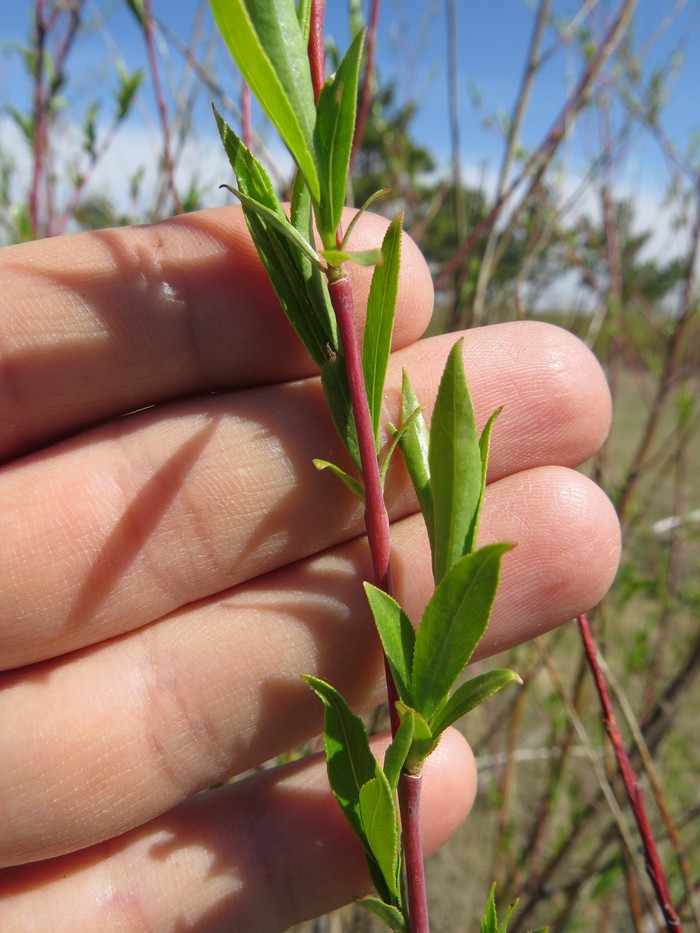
(169, 574)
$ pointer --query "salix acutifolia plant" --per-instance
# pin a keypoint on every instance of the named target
(278, 47)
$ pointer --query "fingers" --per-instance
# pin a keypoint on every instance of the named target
(260, 855)
(97, 324)
(125, 731)
(150, 513)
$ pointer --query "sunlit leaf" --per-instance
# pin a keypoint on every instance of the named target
(350, 765)
(365, 207)
(380, 820)
(397, 637)
(452, 625)
(349, 759)
(389, 915)
(398, 750)
(279, 222)
(303, 298)
(415, 446)
(471, 694)
(455, 465)
(379, 326)
(484, 449)
(333, 136)
(267, 44)
(366, 257)
(422, 743)
(352, 484)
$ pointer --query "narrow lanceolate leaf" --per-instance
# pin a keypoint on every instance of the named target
(452, 625)
(470, 695)
(267, 44)
(455, 465)
(333, 136)
(484, 449)
(381, 309)
(366, 257)
(397, 637)
(349, 758)
(396, 753)
(380, 820)
(290, 272)
(280, 223)
(422, 743)
(352, 484)
(389, 915)
(415, 445)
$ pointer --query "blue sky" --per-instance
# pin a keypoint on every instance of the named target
(492, 40)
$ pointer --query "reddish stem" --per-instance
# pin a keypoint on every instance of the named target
(317, 61)
(168, 163)
(366, 92)
(246, 122)
(378, 535)
(631, 782)
(39, 119)
(410, 786)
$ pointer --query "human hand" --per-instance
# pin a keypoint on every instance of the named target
(168, 575)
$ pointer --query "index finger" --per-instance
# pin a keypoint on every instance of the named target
(97, 324)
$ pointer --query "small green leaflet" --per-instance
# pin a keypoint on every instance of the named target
(455, 465)
(390, 916)
(379, 326)
(333, 136)
(415, 444)
(397, 637)
(380, 821)
(452, 625)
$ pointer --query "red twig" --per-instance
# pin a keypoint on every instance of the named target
(376, 521)
(246, 124)
(366, 92)
(631, 782)
(378, 536)
(317, 60)
(39, 119)
(537, 163)
(168, 163)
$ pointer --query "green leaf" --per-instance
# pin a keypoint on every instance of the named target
(366, 257)
(484, 449)
(397, 637)
(396, 440)
(353, 485)
(136, 7)
(489, 922)
(455, 465)
(397, 752)
(280, 223)
(304, 17)
(452, 625)
(333, 136)
(389, 915)
(358, 214)
(267, 44)
(469, 695)
(379, 326)
(423, 741)
(415, 446)
(380, 820)
(298, 284)
(349, 759)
